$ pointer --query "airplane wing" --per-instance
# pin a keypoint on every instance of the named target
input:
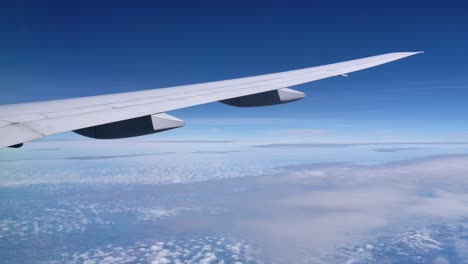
(143, 112)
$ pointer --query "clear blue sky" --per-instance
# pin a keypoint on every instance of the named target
(60, 49)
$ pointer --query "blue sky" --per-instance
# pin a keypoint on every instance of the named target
(121, 199)
(55, 49)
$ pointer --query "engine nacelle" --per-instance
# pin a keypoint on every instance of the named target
(140, 126)
(275, 97)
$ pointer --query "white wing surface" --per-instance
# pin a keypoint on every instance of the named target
(20, 123)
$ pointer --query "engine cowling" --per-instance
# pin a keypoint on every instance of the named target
(140, 126)
(280, 96)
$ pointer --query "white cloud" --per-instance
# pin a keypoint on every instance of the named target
(154, 214)
(300, 211)
(208, 258)
(162, 252)
(311, 209)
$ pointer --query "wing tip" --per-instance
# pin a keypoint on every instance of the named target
(402, 55)
(414, 53)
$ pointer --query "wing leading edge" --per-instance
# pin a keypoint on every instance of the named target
(24, 122)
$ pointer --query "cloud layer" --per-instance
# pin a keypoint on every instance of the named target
(303, 213)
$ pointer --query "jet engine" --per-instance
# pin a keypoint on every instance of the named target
(132, 127)
(280, 96)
